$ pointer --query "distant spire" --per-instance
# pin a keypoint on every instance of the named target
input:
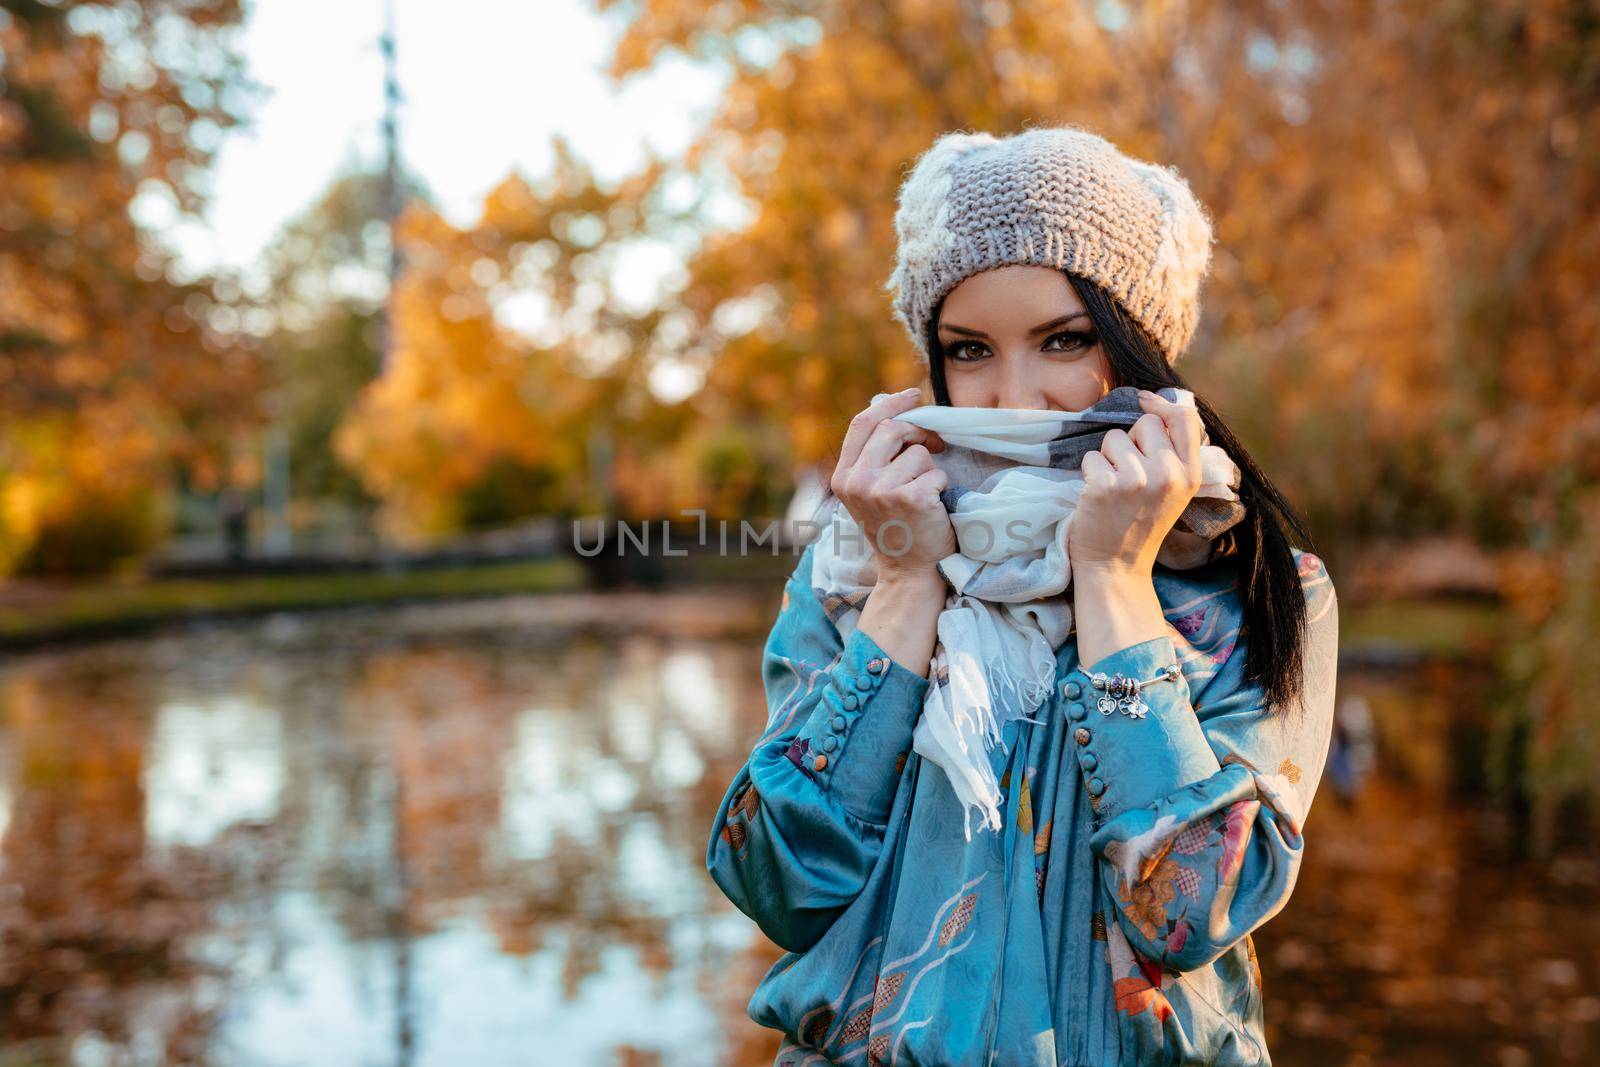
(391, 178)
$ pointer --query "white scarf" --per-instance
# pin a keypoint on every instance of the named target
(1014, 482)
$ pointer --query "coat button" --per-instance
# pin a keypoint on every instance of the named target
(1072, 689)
(1075, 710)
(830, 743)
(1096, 786)
(1081, 735)
(875, 666)
(849, 701)
(863, 683)
(1087, 761)
(819, 763)
(838, 724)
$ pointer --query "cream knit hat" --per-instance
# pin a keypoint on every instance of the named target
(1057, 197)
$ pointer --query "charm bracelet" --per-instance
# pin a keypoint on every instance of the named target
(1119, 693)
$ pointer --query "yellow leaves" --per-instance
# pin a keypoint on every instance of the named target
(450, 405)
(512, 205)
(842, 229)
(109, 384)
(75, 485)
(1025, 806)
(473, 421)
(802, 315)
(813, 372)
(1145, 903)
(812, 438)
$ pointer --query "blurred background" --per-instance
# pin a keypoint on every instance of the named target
(320, 324)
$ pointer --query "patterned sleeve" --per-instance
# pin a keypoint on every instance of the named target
(802, 823)
(1200, 804)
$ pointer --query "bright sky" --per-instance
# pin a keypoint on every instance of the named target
(485, 84)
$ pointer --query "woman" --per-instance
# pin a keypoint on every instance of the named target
(1103, 916)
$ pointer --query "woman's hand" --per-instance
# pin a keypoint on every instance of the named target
(887, 480)
(1135, 487)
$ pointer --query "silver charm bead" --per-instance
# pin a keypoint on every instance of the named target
(1121, 693)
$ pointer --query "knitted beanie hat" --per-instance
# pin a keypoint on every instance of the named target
(1057, 197)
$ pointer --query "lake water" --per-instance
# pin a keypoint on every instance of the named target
(475, 833)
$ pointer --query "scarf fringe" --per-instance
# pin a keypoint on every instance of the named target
(971, 692)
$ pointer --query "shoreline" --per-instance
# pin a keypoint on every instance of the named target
(1388, 635)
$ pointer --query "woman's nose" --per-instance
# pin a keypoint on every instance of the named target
(1020, 388)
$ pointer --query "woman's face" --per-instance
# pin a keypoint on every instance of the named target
(1019, 337)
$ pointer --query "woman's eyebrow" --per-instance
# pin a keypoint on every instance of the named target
(1041, 328)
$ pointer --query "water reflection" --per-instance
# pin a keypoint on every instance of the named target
(210, 767)
(469, 835)
(1416, 935)
(475, 834)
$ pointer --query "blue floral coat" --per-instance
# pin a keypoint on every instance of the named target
(1108, 923)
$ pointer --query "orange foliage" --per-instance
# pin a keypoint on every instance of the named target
(469, 408)
(111, 375)
(1402, 200)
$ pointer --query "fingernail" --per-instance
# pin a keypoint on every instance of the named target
(908, 392)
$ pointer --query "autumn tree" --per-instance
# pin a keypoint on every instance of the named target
(115, 372)
(327, 279)
(1354, 158)
(514, 386)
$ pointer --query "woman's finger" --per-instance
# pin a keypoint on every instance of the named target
(1150, 435)
(1124, 457)
(1097, 471)
(927, 485)
(868, 419)
(886, 441)
(1184, 426)
(910, 463)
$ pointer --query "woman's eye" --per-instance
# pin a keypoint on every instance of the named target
(1066, 341)
(1071, 340)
